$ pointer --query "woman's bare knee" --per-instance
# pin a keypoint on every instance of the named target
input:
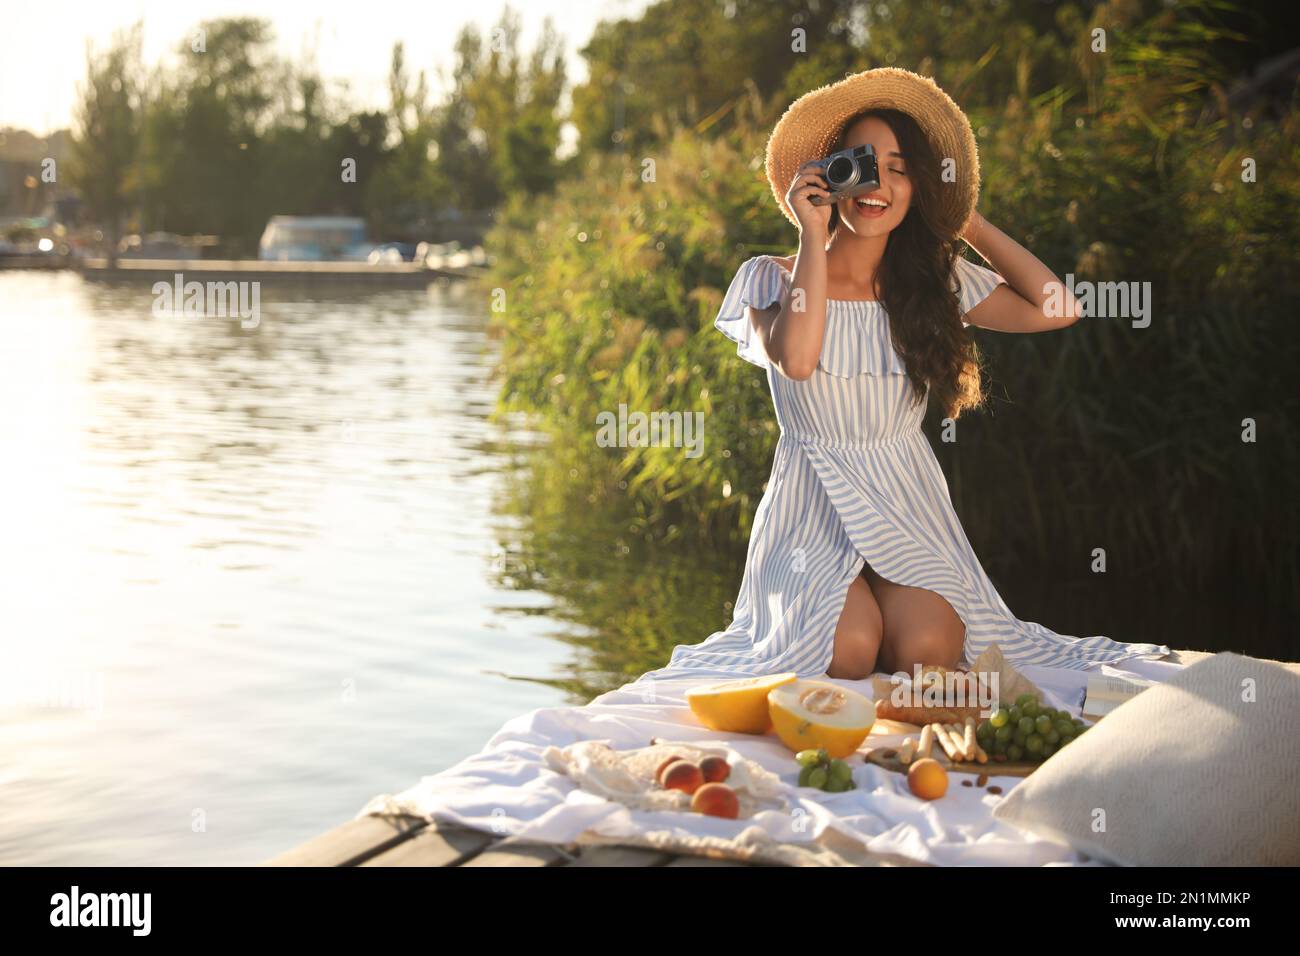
(857, 634)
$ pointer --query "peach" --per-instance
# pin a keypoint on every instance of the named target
(682, 775)
(659, 771)
(715, 769)
(716, 800)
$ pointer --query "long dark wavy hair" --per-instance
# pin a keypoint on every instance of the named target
(914, 281)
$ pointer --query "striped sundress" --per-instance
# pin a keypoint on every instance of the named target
(854, 480)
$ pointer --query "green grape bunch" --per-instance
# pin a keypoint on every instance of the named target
(1027, 730)
(818, 770)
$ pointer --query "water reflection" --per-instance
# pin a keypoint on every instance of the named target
(275, 549)
(629, 586)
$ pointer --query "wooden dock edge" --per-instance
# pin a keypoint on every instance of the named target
(412, 841)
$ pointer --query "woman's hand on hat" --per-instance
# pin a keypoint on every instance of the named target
(808, 182)
(972, 229)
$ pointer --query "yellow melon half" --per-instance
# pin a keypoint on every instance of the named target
(736, 706)
(811, 714)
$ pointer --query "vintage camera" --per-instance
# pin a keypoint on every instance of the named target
(850, 172)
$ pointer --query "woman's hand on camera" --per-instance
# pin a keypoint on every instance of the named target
(809, 182)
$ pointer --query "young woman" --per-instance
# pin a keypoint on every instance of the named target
(857, 562)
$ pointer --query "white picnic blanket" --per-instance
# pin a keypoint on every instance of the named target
(515, 786)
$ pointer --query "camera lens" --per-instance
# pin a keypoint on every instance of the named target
(840, 171)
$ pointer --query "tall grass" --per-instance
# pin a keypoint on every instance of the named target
(610, 295)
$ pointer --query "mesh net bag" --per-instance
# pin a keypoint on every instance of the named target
(628, 776)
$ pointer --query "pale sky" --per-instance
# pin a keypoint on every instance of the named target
(43, 44)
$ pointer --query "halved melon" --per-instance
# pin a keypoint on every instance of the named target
(736, 706)
(812, 714)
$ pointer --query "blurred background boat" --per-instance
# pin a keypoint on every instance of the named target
(315, 239)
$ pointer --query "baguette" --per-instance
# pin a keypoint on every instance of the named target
(925, 715)
(946, 712)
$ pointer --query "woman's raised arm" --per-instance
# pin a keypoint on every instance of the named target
(793, 333)
(1026, 303)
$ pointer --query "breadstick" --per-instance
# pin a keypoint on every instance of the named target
(970, 741)
(980, 754)
(958, 737)
(954, 734)
(954, 738)
(946, 742)
(927, 742)
(908, 749)
(959, 740)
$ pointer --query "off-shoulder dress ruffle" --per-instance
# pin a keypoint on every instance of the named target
(857, 339)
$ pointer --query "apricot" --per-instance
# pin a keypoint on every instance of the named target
(716, 800)
(927, 779)
(715, 769)
(682, 775)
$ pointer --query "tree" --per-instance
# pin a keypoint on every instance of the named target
(106, 140)
(404, 193)
(205, 157)
(691, 61)
(499, 130)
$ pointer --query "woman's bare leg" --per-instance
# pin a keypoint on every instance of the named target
(857, 635)
(920, 627)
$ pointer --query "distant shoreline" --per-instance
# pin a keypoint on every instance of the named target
(404, 273)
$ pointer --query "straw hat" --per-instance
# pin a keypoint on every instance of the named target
(813, 123)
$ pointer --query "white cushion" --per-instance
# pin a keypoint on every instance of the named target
(1201, 770)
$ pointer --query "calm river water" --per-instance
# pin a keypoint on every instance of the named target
(251, 577)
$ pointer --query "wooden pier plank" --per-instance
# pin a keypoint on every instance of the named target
(705, 861)
(351, 843)
(439, 844)
(510, 852)
(621, 856)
